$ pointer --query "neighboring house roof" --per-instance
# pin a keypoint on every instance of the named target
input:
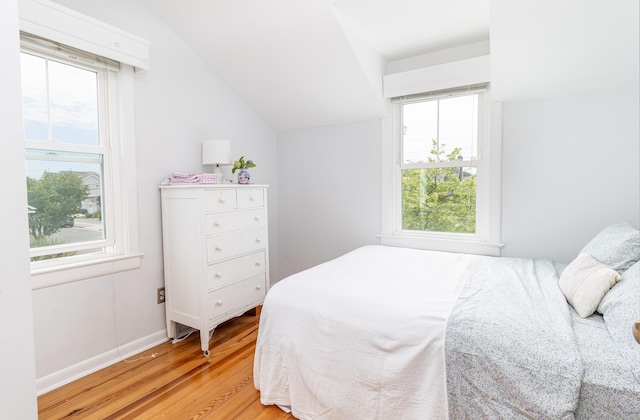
(91, 180)
(88, 176)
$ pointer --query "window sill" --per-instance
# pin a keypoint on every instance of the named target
(466, 246)
(54, 276)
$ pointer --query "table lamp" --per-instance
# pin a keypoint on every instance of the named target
(216, 152)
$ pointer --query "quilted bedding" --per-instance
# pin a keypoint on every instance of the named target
(510, 349)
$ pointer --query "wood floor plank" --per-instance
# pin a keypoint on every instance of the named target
(189, 389)
(269, 413)
(179, 383)
(115, 391)
(89, 383)
(242, 396)
(256, 410)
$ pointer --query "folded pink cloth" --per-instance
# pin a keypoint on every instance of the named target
(192, 178)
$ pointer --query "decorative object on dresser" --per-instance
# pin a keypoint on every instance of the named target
(242, 165)
(216, 254)
(192, 178)
(216, 152)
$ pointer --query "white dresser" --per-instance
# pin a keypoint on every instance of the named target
(216, 254)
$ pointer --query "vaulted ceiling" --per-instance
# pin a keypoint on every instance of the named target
(305, 63)
(309, 63)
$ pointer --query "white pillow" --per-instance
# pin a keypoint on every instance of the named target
(584, 283)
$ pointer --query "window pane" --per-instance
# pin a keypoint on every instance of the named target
(439, 200)
(64, 192)
(440, 130)
(34, 97)
(74, 104)
(420, 129)
(60, 102)
(458, 132)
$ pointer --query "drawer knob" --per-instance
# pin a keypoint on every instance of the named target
(219, 274)
(217, 224)
(258, 286)
(258, 240)
(258, 263)
(252, 198)
(219, 302)
(218, 248)
(257, 218)
(221, 199)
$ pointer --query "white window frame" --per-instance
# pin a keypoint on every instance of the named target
(486, 240)
(107, 81)
(65, 26)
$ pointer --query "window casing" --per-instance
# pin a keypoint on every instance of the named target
(51, 21)
(442, 187)
(76, 119)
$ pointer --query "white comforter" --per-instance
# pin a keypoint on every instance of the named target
(361, 336)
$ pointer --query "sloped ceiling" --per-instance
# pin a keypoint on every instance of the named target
(399, 29)
(309, 63)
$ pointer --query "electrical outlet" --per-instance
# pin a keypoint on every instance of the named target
(160, 295)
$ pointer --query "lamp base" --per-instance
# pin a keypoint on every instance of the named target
(219, 174)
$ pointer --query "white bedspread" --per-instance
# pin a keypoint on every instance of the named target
(361, 336)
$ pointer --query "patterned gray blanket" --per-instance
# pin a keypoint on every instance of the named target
(510, 350)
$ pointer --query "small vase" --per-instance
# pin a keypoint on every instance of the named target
(243, 176)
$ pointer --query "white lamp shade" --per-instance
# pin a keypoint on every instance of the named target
(216, 152)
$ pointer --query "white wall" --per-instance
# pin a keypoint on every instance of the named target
(571, 167)
(17, 380)
(329, 197)
(548, 48)
(179, 103)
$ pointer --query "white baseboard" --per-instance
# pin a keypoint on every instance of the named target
(101, 361)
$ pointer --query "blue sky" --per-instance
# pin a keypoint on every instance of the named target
(60, 106)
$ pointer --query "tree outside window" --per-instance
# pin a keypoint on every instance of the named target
(438, 170)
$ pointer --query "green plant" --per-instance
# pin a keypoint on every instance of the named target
(242, 164)
(56, 196)
(95, 215)
(439, 199)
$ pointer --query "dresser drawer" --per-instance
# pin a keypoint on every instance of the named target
(228, 245)
(216, 223)
(219, 200)
(250, 198)
(245, 294)
(232, 271)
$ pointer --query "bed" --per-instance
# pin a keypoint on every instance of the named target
(397, 333)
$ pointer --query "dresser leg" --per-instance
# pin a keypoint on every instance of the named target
(205, 337)
(171, 330)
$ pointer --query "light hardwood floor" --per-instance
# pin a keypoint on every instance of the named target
(179, 383)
